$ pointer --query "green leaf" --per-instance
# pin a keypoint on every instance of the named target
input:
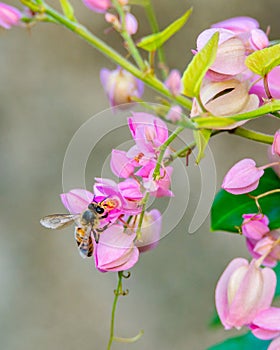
(153, 41)
(196, 70)
(201, 138)
(263, 61)
(277, 271)
(67, 9)
(212, 122)
(242, 342)
(227, 209)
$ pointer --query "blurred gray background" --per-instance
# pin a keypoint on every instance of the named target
(50, 298)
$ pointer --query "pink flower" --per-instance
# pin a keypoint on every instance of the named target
(230, 58)
(121, 165)
(173, 82)
(275, 344)
(120, 86)
(161, 187)
(243, 177)
(225, 98)
(76, 201)
(247, 29)
(150, 231)
(131, 23)
(266, 324)
(9, 16)
(126, 195)
(243, 291)
(276, 144)
(98, 5)
(265, 246)
(273, 79)
(255, 226)
(116, 250)
(149, 133)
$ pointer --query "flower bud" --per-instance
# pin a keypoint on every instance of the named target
(9, 16)
(120, 86)
(131, 23)
(100, 6)
(276, 144)
(173, 82)
(255, 226)
(243, 177)
(242, 291)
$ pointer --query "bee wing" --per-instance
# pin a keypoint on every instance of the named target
(58, 221)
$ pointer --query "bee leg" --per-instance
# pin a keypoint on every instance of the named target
(104, 216)
(96, 235)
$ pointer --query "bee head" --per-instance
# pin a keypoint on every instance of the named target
(96, 207)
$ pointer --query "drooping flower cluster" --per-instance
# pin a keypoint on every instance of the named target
(131, 229)
(226, 88)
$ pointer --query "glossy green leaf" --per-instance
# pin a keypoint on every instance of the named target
(242, 342)
(201, 138)
(263, 61)
(277, 271)
(153, 41)
(196, 70)
(227, 209)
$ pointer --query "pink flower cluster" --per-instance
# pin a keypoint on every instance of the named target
(226, 88)
(120, 244)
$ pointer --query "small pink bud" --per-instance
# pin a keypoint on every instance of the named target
(174, 114)
(258, 39)
(98, 5)
(173, 82)
(276, 144)
(9, 16)
(131, 23)
(242, 291)
(113, 19)
(243, 177)
(255, 226)
(120, 86)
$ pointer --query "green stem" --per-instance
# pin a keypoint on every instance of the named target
(127, 38)
(118, 292)
(253, 135)
(176, 132)
(270, 107)
(105, 49)
(155, 28)
(141, 218)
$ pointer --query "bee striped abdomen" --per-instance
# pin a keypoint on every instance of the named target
(84, 241)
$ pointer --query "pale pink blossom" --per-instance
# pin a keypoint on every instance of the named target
(98, 5)
(9, 16)
(243, 291)
(275, 344)
(225, 98)
(265, 247)
(247, 29)
(120, 86)
(77, 200)
(243, 177)
(173, 82)
(275, 150)
(266, 324)
(230, 57)
(150, 231)
(158, 187)
(115, 250)
(255, 226)
(121, 165)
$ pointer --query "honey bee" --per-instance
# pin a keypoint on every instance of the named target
(86, 225)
